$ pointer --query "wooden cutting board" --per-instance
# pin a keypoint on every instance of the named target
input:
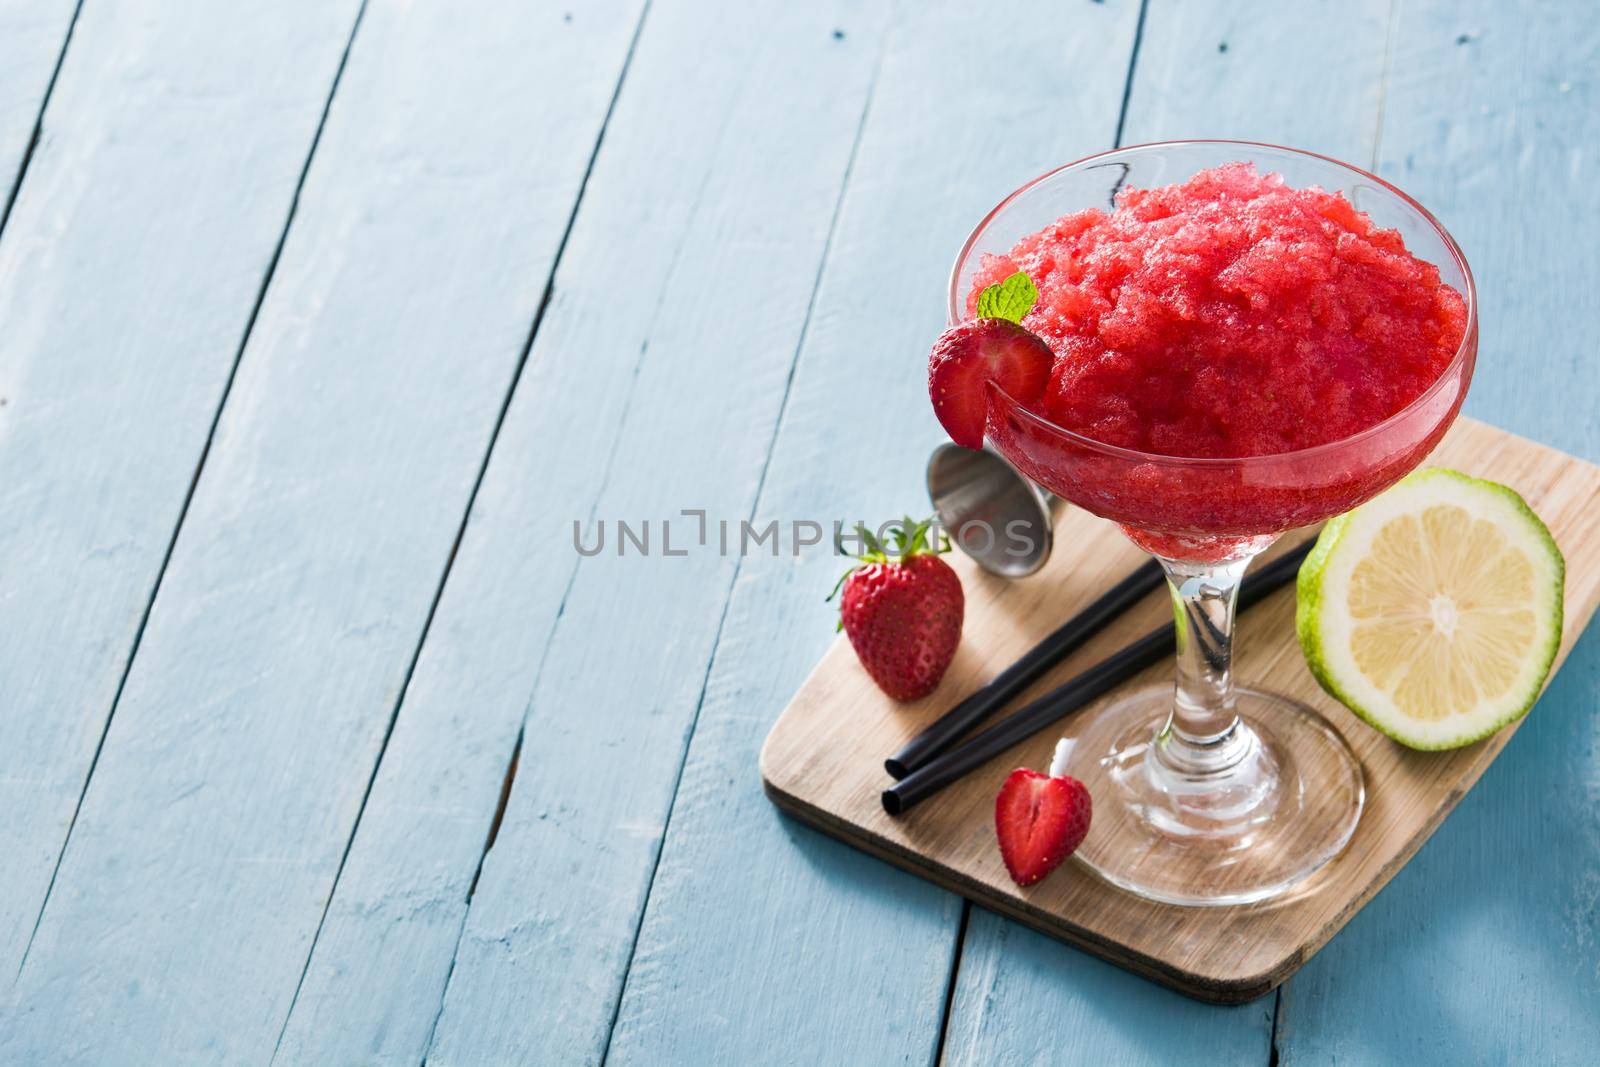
(823, 760)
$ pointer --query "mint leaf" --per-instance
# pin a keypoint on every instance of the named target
(1010, 299)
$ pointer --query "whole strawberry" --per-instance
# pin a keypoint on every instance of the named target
(902, 609)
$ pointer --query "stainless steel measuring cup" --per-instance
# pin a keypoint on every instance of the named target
(991, 510)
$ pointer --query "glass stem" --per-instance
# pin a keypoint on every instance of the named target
(1203, 736)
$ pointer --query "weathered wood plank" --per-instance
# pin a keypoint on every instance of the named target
(1484, 948)
(1303, 75)
(1491, 119)
(131, 264)
(300, 586)
(33, 35)
(722, 303)
(1024, 998)
(677, 312)
(764, 942)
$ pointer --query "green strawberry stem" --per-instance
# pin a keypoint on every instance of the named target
(907, 537)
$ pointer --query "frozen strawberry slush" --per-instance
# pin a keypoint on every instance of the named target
(1230, 315)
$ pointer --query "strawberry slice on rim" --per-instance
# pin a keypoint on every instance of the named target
(967, 357)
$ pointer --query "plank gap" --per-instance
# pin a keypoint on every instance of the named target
(1383, 89)
(38, 122)
(499, 813)
(1133, 65)
(950, 986)
(1277, 1011)
(755, 506)
(199, 467)
(455, 546)
(533, 332)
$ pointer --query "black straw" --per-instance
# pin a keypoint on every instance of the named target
(1060, 702)
(948, 728)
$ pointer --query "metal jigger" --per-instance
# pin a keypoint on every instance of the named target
(990, 510)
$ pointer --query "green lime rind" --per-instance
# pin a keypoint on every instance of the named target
(1311, 604)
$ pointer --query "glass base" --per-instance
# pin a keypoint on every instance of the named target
(1286, 805)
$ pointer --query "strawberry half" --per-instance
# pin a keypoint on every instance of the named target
(902, 610)
(1040, 821)
(967, 357)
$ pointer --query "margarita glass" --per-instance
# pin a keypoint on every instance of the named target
(1204, 793)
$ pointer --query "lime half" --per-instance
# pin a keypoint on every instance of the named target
(1433, 611)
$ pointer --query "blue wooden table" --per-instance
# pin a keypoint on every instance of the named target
(322, 322)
